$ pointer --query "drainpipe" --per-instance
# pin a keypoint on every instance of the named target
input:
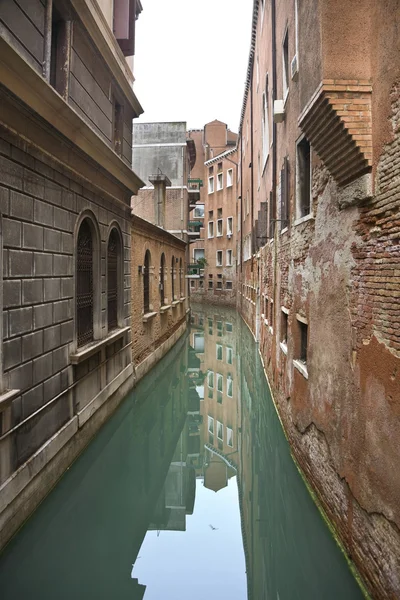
(274, 160)
(251, 166)
(47, 39)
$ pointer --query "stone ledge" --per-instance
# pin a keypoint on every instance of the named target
(175, 303)
(94, 347)
(7, 397)
(163, 309)
(283, 347)
(148, 316)
(301, 367)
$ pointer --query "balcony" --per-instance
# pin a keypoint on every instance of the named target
(194, 230)
(193, 187)
(195, 271)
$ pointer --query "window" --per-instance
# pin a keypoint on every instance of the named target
(271, 313)
(114, 279)
(210, 214)
(229, 226)
(229, 386)
(192, 284)
(229, 437)
(201, 284)
(266, 308)
(220, 181)
(285, 193)
(210, 170)
(247, 247)
(210, 379)
(87, 277)
(219, 328)
(173, 279)
(219, 352)
(57, 74)
(303, 178)
(219, 213)
(220, 382)
(265, 121)
(199, 211)
(219, 285)
(219, 166)
(229, 355)
(210, 185)
(219, 258)
(198, 253)
(219, 227)
(220, 431)
(146, 282)
(210, 229)
(118, 126)
(228, 327)
(210, 424)
(285, 65)
(198, 342)
(180, 278)
(210, 284)
(228, 285)
(284, 326)
(162, 280)
(303, 328)
(125, 14)
(229, 258)
(229, 178)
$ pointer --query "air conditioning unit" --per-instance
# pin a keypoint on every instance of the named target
(294, 68)
(229, 235)
(279, 111)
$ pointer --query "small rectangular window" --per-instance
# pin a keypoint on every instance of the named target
(220, 431)
(219, 213)
(220, 383)
(210, 185)
(229, 226)
(199, 211)
(210, 424)
(285, 193)
(303, 178)
(192, 284)
(210, 284)
(118, 125)
(229, 285)
(220, 181)
(229, 355)
(229, 387)
(219, 285)
(219, 227)
(211, 229)
(219, 258)
(210, 379)
(210, 170)
(229, 258)
(285, 65)
(229, 437)
(220, 166)
(219, 351)
(210, 214)
(303, 328)
(271, 313)
(229, 178)
(284, 327)
(228, 327)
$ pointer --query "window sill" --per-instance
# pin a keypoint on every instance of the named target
(301, 367)
(183, 298)
(175, 303)
(283, 347)
(304, 219)
(146, 317)
(94, 347)
(284, 230)
(163, 309)
(7, 397)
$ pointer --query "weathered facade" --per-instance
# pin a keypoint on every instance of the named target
(216, 167)
(66, 183)
(318, 273)
(159, 295)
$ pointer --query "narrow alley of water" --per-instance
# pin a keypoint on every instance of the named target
(189, 491)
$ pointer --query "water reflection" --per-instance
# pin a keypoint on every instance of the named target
(188, 491)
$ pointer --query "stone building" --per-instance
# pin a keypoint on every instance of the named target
(216, 167)
(66, 181)
(318, 273)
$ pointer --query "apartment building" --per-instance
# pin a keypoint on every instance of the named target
(213, 279)
(319, 255)
(66, 181)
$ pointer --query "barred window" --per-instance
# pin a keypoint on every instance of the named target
(146, 282)
(173, 279)
(113, 260)
(84, 294)
(180, 279)
(162, 280)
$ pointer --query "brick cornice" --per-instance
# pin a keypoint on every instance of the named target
(337, 123)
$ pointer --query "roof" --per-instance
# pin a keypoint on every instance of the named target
(250, 62)
(220, 156)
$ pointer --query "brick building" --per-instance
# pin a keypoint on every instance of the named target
(319, 255)
(216, 167)
(159, 298)
(66, 181)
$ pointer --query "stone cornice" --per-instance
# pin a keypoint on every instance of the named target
(96, 25)
(26, 84)
(141, 225)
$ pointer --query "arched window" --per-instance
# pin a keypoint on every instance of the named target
(173, 279)
(84, 284)
(146, 282)
(180, 279)
(162, 279)
(113, 278)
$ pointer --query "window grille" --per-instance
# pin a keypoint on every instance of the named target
(172, 279)
(112, 279)
(162, 281)
(84, 295)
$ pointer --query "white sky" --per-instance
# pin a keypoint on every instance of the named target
(191, 60)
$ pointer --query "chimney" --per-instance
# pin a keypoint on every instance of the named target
(160, 182)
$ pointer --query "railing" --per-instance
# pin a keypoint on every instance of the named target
(195, 184)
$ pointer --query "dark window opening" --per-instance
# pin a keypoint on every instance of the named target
(126, 13)
(285, 51)
(162, 280)
(304, 177)
(84, 294)
(146, 283)
(303, 341)
(118, 126)
(272, 214)
(284, 328)
(113, 253)
(173, 279)
(59, 53)
(285, 198)
(271, 314)
(180, 279)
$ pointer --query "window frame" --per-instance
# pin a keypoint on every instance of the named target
(211, 184)
(229, 178)
(210, 230)
(300, 183)
(285, 65)
(219, 263)
(229, 263)
(114, 226)
(220, 227)
(220, 181)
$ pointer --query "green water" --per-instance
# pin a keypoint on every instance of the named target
(188, 492)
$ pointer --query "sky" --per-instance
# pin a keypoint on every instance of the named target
(191, 60)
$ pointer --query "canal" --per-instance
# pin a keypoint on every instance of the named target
(189, 491)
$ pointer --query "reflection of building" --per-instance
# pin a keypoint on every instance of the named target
(213, 333)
